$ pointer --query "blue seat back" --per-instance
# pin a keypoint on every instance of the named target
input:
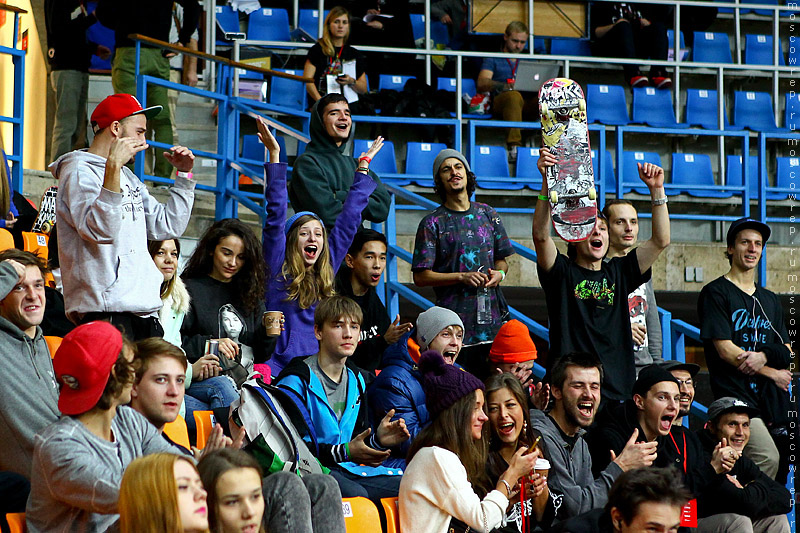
(630, 169)
(654, 107)
(309, 21)
(710, 47)
(492, 162)
(758, 50)
(794, 51)
(286, 92)
(734, 173)
(570, 47)
(702, 109)
(681, 44)
(227, 19)
(419, 161)
(753, 110)
(788, 172)
(527, 158)
(392, 81)
(384, 162)
(694, 169)
(252, 148)
(791, 113)
(606, 104)
(609, 177)
(449, 84)
(268, 24)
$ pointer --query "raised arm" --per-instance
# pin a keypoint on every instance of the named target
(546, 251)
(653, 176)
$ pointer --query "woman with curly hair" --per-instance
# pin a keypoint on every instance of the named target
(225, 279)
(162, 493)
(302, 257)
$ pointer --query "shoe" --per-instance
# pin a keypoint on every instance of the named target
(662, 82)
(512, 154)
(639, 81)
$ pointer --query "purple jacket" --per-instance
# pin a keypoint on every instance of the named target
(298, 338)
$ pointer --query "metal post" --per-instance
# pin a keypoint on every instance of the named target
(226, 206)
(428, 42)
(392, 297)
(459, 68)
(762, 205)
(141, 95)
(320, 17)
(235, 90)
(19, 110)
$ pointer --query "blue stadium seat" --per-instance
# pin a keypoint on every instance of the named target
(392, 81)
(681, 44)
(788, 174)
(768, 12)
(794, 51)
(630, 169)
(97, 33)
(734, 175)
(526, 167)
(701, 109)
(439, 32)
(606, 104)
(753, 110)
(309, 21)
(268, 24)
(758, 50)
(286, 92)
(791, 113)
(492, 162)
(570, 47)
(384, 162)
(654, 107)
(694, 169)
(449, 84)
(227, 21)
(609, 178)
(419, 161)
(711, 47)
(253, 149)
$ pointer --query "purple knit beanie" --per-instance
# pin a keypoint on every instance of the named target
(444, 384)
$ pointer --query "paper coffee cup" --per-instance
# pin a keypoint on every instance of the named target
(272, 321)
(542, 467)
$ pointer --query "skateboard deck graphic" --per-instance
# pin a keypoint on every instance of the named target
(47, 212)
(570, 182)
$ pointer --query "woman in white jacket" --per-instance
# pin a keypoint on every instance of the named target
(446, 476)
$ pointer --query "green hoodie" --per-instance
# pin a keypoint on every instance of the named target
(323, 174)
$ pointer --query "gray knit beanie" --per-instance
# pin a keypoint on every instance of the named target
(445, 154)
(431, 322)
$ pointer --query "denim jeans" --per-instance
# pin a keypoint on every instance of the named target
(302, 505)
(373, 487)
(207, 395)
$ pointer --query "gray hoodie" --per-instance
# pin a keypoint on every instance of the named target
(105, 266)
(28, 390)
(571, 469)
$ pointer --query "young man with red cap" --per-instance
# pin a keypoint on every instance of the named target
(747, 346)
(78, 461)
(106, 215)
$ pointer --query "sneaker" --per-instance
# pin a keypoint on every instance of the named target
(662, 82)
(639, 81)
(512, 154)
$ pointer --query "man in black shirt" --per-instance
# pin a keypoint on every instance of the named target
(357, 278)
(587, 298)
(747, 346)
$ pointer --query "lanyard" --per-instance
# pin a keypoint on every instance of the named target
(338, 56)
(682, 455)
(513, 69)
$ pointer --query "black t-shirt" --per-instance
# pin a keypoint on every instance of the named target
(332, 65)
(750, 322)
(588, 312)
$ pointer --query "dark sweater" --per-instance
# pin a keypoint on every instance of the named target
(761, 496)
(66, 23)
(371, 345)
(152, 18)
(201, 322)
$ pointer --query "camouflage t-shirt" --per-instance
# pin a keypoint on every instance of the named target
(463, 241)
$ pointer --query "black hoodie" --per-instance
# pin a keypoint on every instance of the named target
(323, 174)
(66, 22)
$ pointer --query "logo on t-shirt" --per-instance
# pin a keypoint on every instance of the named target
(759, 326)
(595, 290)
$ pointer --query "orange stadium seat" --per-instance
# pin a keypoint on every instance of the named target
(36, 243)
(392, 516)
(205, 423)
(6, 239)
(178, 432)
(360, 515)
(53, 343)
(16, 521)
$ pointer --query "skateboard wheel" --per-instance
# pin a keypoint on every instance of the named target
(46, 227)
(554, 197)
(582, 105)
(592, 193)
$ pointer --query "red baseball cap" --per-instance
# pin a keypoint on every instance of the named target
(119, 106)
(83, 365)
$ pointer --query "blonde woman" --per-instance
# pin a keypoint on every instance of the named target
(162, 493)
(328, 56)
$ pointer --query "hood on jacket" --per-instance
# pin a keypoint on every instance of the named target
(320, 140)
(178, 299)
(68, 161)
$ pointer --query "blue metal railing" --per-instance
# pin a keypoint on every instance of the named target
(16, 119)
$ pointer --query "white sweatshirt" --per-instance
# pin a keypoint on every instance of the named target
(435, 488)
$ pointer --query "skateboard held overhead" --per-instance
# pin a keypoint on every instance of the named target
(570, 182)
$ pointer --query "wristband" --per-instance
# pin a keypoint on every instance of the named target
(365, 158)
(508, 487)
(363, 170)
(502, 274)
(543, 197)
(181, 174)
(347, 451)
(660, 201)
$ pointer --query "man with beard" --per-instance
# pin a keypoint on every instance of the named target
(575, 389)
(747, 500)
(650, 416)
(460, 250)
(684, 373)
(587, 298)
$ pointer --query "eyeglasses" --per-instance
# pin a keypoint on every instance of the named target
(688, 382)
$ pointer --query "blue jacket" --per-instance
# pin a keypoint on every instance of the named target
(331, 431)
(398, 387)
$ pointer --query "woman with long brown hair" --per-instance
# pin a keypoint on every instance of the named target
(446, 475)
(162, 493)
(330, 54)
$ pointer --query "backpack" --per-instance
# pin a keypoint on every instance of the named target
(275, 426)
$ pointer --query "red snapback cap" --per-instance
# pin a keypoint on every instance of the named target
(119, 106)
